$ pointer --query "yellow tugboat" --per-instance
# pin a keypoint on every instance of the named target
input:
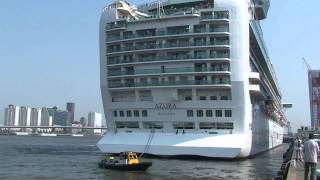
(128, 161)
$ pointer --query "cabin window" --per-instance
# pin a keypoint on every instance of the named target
(183, 125)
(224, 98)
(144, 113)
(228, 113)
(127, 124)
(218, 113)
(129, 113)
(209, 113)
(121, 113)
(199, 113)
(218, 125)
(152, 125)
(213, 98)
(136, 113)
(190, 113)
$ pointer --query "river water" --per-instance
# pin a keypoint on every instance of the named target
(77, 158)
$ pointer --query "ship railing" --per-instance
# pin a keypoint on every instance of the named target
(170, 70)
(166, 33)
(165, 45)
(259, 36)
(169, 83)
(168, 58)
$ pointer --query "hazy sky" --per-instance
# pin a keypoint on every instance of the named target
(49, 52)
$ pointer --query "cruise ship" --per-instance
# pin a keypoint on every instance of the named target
(188, 78)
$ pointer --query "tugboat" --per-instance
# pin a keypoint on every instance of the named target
(128, 161)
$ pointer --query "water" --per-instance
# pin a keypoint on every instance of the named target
(77, 158)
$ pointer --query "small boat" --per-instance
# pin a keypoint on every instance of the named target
(128, 161)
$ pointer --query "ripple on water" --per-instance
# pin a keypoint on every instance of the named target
(77, 158)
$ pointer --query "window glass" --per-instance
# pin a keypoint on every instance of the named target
(213, 98)
(144, 113)
(115, 114)
(129, 113)
(209, 113)
(121, 113)
(136, 113)
(218, 113)
(228, 113)
(199, 113)
(152, 125)
(190, 113)
(127, 124)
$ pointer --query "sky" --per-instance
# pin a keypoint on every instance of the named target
(49, 53)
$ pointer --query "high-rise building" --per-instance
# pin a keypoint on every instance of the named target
(12, 115)
(71, 110)
(24, 116)
(94, 119)
(83, 121)
(6, 116)
(45, 117)
(35, 117)
(61, 118)
(314, 94)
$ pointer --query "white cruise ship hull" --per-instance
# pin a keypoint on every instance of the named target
(193, 144)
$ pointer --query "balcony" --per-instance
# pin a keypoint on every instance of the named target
(224, 83)
(254, 77)
(256, 91)
(119, 26)
(178, 45)
(219, 70)
(169, 34)
(261, 8)
(218, 56)
(217, 16)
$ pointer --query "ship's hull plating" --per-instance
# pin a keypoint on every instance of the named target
(192, 144)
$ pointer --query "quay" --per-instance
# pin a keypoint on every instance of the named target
(59, 130)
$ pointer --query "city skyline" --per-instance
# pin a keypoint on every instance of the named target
(57, 57)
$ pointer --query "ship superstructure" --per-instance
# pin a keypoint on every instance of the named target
(188, 77)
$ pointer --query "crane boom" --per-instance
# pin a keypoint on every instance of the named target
(307, 64)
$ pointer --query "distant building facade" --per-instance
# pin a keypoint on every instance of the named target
(83, 121)
(35, 119)
(71, 110)
(94, 119)
(11, 116)
(46, 119)
(314, 94)
(24, 116)
(61, 118)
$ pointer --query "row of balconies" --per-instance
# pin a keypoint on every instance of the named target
(167, 45)
(169, 70)
(218, 29)
(224, 81)
(213, 15)
(225, 55)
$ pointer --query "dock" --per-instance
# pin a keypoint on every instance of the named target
(296, 170)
